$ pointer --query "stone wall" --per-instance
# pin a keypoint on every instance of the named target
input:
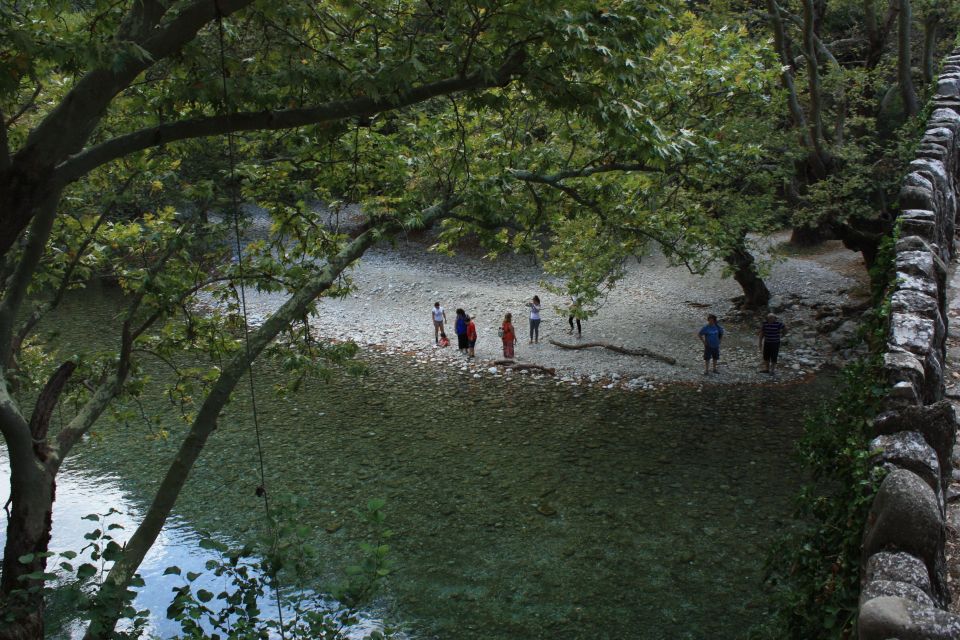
(903, 582)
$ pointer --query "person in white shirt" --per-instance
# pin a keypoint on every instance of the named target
(439, 317)
(534, 319)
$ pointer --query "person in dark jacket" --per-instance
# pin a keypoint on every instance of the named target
(460, 328)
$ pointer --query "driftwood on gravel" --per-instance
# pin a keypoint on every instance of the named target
(612, 347)
(522, 366)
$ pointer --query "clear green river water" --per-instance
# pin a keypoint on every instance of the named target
(521, 509)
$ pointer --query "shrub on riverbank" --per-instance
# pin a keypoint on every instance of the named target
(814, 571)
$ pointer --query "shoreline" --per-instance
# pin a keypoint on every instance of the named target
(655, 307)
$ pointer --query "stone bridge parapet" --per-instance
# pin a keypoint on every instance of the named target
(904, 591)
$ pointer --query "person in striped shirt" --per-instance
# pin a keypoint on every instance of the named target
(771, 332)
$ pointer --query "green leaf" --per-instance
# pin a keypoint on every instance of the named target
(86, 570)
(214, 545)
(173, 570)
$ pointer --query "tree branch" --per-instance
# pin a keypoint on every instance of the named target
(556, 180)
(20, 280)
(586, 172)
(42, 309)
(44, 406)
(813, 77)
(102, 396)
(87, 160)
(23, 108)
(112, 386)
(13, 426)
(207, 417)
(66, 129)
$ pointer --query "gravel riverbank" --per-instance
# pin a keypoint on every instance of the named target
(655, 307)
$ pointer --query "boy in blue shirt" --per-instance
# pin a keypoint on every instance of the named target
(711, 335)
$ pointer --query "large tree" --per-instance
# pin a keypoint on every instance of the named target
(848, 78)
(102, 172)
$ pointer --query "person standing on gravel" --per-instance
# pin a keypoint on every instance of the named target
(509, 336)
(460, 328)
(710, 335)
(534, 319)
(771, 331)
(471, 337)
(439, 317)
(574, 314)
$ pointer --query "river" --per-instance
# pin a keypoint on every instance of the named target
(521, 508)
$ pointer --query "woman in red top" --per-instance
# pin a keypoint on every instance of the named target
(509, 336)
(471, 336)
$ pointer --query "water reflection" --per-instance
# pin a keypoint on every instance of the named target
(80, 493)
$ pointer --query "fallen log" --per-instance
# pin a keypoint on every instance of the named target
(612, 347)
(523, 366)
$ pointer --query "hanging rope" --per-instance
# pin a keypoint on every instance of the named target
(235, 204)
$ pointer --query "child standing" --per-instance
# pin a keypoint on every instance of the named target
(508, 335)
(471, 337)
(574, 314)
(710, 335)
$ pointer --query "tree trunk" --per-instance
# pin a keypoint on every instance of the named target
(904, 72)
(930, 27)
(755, 292)
(877, 32)
(814, 86)
(815, 161)
(28, 532)
(810, 236)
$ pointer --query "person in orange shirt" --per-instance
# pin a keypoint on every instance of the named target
(509, 336)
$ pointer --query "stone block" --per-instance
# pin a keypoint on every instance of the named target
(903, 393)
(948, 87)
(905, 373)
(914, 243)
(890, 617)
(932, 151)
(897, 567)
(935, 172)
(934, 386)
(909, 301)
(945, 116)
(912, 333)
(918, 263)
(913, 302)
(905, 516)
(919, 222)
(909, 450)
(880, 588)
(914, 197)
(937, 423)
(926, 286)
(953, 104)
